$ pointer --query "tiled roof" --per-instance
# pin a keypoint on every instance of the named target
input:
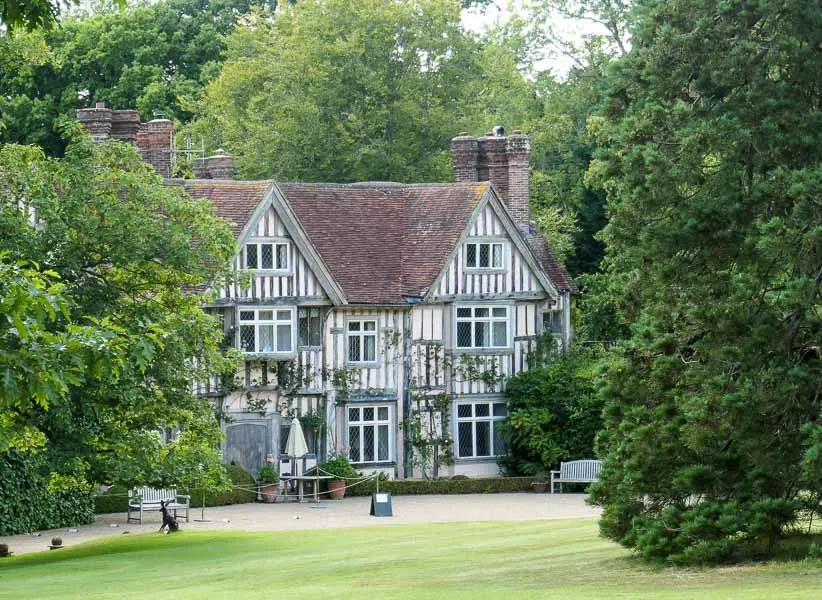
(382, 242)
(550, 263)
(234, 201)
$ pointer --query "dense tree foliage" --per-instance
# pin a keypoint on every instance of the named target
(714, 258)
(554, 413)
(340, 90)
(101, 340)
(155, 58)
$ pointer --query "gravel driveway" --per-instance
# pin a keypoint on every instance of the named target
(350, 512)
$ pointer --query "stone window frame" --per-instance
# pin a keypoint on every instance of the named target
(376, 423)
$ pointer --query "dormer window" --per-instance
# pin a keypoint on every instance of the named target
(267, 256)
(484, 255)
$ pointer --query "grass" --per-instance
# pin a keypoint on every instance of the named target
(534, 559)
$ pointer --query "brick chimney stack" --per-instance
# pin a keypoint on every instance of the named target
(518, 149)
(500, 159)
(464, 154)
(96, 120)
(154, 141)
(124, 125)
(219, 166)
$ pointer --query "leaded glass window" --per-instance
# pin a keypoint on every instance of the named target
(478, 431)
(484, 255)
(370, 434)
(266, 330)
(482, 327)
(362, 341)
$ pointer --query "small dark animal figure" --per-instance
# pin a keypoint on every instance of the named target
(169, 521)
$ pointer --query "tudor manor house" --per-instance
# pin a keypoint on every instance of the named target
(368, 305)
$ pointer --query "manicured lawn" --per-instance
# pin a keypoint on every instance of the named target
(536, 559)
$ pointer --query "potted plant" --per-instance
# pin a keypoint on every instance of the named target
(540, 483)
(269, 483)
(338, 467)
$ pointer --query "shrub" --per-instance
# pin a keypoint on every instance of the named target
(553, 413)
(339, 467)
(417, 487)
(32, 498)
(243, 491)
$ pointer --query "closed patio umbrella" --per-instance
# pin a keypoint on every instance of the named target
(295, 446)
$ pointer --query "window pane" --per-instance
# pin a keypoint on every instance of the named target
(368, 414)
(481, 410)
(247, 338)
(354, 348)
(484, 255)
(499, 443)
(464, 334)
(282, 256)
(315, 331)
(369, 326)
(482, 338)
(464, 411)
(370, 350)
(246, 315)
(251, 256)
(499, 410)
(382, 446)
(481, 313)
(497, 256)
(266, 256)
(500, 334)
(368, 443)
(266, 338)
(284, 338)
(463, 313)
(354, 326)
(354, 443)
(353, 414)
(470, 255)
(265, 315)
(382, 413)
(283, 315)
(465, 443)
(483, 438)
(501, 312)
(303, 331)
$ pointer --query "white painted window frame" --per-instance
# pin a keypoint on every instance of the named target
(362, 334)
(375, 423)
(477, 242)
(273, 242)
(257, 322)
(473, 419)
(509, 342)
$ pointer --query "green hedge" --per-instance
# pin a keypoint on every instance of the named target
(116, 499)
(414, 487)
(26, 503)
(240, 478)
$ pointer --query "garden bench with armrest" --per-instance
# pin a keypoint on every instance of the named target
(146, 498)
(576, 471)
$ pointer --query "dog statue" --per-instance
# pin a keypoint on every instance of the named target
(169, 522)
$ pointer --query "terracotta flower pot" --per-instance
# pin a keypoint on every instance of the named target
(336, 489)
(540, 487)
(269, 492)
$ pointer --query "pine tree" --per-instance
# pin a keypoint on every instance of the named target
(714, 253)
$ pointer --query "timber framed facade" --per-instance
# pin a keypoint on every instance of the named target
(362, 307)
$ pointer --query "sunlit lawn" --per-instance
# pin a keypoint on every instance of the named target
(535, 559)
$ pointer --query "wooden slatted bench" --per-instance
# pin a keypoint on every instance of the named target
(145, 498)
(576, 471)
